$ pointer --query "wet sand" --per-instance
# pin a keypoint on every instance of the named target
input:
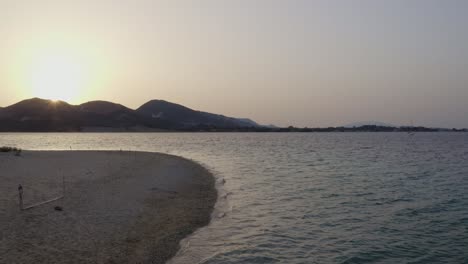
(119, 207)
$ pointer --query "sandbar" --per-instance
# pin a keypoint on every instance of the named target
(117, 206)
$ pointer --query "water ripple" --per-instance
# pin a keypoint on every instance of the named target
(315, 198)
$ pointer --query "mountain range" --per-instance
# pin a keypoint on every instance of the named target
(40, 115)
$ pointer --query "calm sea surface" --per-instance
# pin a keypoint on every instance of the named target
(315, 198)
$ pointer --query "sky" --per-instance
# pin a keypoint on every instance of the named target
(302, 63)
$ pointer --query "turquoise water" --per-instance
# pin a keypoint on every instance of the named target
(315, 198)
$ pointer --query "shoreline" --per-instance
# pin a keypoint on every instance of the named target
(118, 206)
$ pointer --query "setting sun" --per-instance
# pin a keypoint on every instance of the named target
(234, 131)
(57, 77)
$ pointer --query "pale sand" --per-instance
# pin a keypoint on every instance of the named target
(119, 207)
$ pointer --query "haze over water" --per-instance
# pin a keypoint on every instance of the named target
(315, 198)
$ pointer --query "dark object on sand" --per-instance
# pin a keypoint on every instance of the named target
(10, 149)
(58, 208)
(20, 192)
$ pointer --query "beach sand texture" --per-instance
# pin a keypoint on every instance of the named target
(119, 207)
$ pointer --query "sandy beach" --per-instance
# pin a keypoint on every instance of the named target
(118, 207)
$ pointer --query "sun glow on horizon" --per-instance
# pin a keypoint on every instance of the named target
(57, 77)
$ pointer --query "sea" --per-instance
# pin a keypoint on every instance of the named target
(313, 197)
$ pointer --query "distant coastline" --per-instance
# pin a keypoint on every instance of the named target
(291, 129)
(204, 129)
(40, 115)
(369, 128)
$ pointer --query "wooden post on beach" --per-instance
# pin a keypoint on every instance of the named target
(20, 192)
(63, 185)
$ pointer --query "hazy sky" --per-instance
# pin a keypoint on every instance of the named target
(304, 63)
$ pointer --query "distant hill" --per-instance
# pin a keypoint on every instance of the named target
(39, 115)
(185, 117)
(45, 115)
(248, 122)
(102, 114)
(369, 123)
(102, 107)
